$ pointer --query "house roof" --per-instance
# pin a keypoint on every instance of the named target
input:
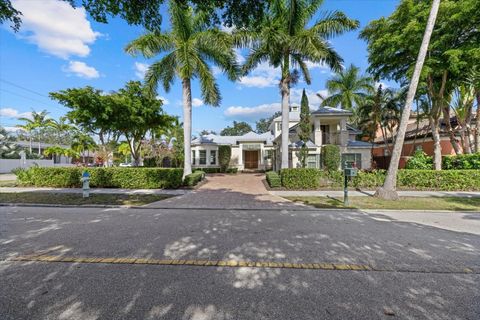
(358, 144)
(251, 136)
(299, 144)
(328, 111)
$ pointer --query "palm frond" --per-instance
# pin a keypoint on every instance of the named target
(164, 71)
(150, 45)
(333, 23)
(209, 87)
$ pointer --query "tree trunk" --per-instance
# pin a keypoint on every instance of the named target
(477, 125)
(285, 90)
(437, 147)
(30, 144)
(451, 133)
(388, 190)
(187, 126)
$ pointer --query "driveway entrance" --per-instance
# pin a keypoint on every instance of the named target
(229, 191)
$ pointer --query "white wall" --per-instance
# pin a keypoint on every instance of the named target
(7, 165)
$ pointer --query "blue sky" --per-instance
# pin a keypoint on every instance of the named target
(59, 47)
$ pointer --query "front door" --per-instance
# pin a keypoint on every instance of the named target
(251, 159)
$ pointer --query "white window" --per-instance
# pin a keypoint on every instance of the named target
(279, 126)
(193, 157)
(203, 157)
(213, 157)
(312, 161)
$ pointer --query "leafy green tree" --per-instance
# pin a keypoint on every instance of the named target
(348, 89)
(262, 125)
(462, 101)
(62, 128)
(59, 151)
(8, 147)
(207, 132)
(388, 190)
(241, 13)
(188, 46)
(393, 44)
(83, 143)
(129, 112)
(124, 150)
(237, 129)
(287, 39)
(36, 125)
(305, 128)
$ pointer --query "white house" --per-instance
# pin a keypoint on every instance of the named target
(254, 151)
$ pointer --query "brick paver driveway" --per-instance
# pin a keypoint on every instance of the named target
(227, 191)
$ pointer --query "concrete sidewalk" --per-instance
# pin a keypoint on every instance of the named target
(353, 193)
(97, 190)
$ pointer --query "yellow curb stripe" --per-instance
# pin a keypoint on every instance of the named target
(216, 263)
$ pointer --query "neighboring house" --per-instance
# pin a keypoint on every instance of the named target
(418, 136)
(25, 145)
(251, 151)
(254, 151)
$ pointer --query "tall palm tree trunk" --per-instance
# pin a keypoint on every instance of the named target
(187, 126)
(477, 124)
(388, 190)
(285, 90)
(437, 147)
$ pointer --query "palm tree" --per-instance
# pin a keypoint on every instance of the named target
(188, 47)
(379, 111)
(348, 89)
(61, 127)
(28, 127)
(287, 41)
(462, 101)
(388, 190)
(38, 122)
(81, 143)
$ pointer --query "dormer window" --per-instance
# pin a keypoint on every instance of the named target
(294, 108)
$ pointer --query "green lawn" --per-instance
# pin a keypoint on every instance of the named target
(76, 198)
(407, 203)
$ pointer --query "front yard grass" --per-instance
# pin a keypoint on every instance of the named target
(405, 203)
(76, 198)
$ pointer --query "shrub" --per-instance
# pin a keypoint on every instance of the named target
(420, 161)
(232, 170)
(331, 157)
(131, 178)
(208, 170)
(369, 179)
(194, 178)
(462, 162)
(444, 180)
(273, 179)
(300, 178)
(224, 155)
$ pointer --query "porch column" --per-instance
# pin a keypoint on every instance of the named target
(343, 133)
(240, 155)
(317, 134)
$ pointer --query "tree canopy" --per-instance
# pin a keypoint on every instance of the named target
(237, 129)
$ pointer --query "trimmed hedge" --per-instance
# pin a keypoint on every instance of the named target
(462, 162)
(301, 178)
(331, 157)
(194, 178)
(445, 180)
(273, 179)
(129, 178)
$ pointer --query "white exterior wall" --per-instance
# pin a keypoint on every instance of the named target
(7, 165)
(236, 160)
(197, 156)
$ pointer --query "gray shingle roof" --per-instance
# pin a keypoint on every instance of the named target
(233, 140)
(331, 111)
(359, 144)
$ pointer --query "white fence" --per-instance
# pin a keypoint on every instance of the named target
(7, 165)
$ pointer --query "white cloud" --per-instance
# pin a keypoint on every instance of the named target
(313, 99)
(14, 114)
(56, 27)
(140, 69)
(11, 129)
(263, 76)
(197, 102)
(252, 113)
(165, 101)
(81, 69)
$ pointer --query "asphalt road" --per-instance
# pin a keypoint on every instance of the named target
(435, 273)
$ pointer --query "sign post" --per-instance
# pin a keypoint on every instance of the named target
(349, 171)
(85, 184)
